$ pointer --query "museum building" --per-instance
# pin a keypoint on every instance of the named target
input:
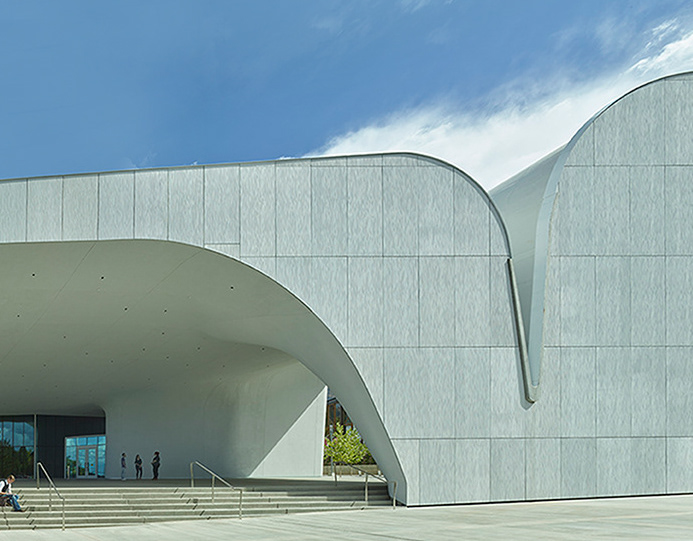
(531, 343)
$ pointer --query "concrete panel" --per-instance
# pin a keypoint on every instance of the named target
(403, 394)
(369, 362)
(408, 454)
(365, 304)
(472, 301)
(679, 211)
(258, 218)
(648, 287)
(231, 250)
(543, 466)
(552, 303)
(583, 151)
(365, 161)
(401, 301)
(614, 466)
(44, 208)
(473, 470)
(329, 197)
(295, 274)
(578, 299)
(649, 391)
(151, 204)
(13, 196)
(408, 161)
(116, 205)
(614, 391)
(329, 162)
(400, 212)
(613, 301)
(266, 265)
(632, 132)
(186, 205)
(544, 417)
(678, 112)
(222, 204)
(497, 239)
(437, 301)
(329, 294)
(472, 390)
(578, 471)
(679, 460)
(679, 396)
(648, 469)
(503, 330)
(507, 469)
(647, 210)
(507, 414)
(365, 211)
(436, 485)
(471, 217)
(679, 299)
(578, 390)
(576, 192)
(436, 229)
(80, 207)
(293, 209)
(419, 392)
(612, 211)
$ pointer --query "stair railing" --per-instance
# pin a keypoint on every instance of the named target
(215, 476)
(380, 478)
(51, 488)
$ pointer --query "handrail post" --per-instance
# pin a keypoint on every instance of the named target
(50, 498)
(394, 497)
(213, 477)
(63, 514)
(240, 504)
(192, 476)
(366, 488)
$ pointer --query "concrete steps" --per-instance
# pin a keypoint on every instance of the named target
(114, 505)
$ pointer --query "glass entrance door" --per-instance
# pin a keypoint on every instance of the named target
(85, 456)
(87, 461)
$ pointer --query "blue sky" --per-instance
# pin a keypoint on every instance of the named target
(488, 85)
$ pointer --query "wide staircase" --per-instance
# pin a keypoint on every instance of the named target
(91, 503)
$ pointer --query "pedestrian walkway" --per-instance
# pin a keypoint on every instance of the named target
(663, 517)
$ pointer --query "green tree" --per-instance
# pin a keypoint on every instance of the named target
(346, 446)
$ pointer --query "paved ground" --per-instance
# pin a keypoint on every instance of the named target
(663, 517)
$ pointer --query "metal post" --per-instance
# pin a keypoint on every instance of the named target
(394, 496)
(366, 488)
(192, 479)
(212, 489)
(50, 499)
(63, 513)
(240, 504)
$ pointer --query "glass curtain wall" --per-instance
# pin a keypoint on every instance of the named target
(85, 456)
(17, 446)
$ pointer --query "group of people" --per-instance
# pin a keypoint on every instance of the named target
(156, 462)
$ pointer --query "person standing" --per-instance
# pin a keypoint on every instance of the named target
(6, 490)
(156, 462)
(138, 467)
(123, 465)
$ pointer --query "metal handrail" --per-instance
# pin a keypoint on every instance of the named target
(40, 468)
(216, 476)
(379, 477)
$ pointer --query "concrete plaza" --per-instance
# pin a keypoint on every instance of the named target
(660, 517)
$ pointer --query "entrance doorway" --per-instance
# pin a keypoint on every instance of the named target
(85, 457)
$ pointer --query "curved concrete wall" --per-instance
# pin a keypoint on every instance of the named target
(612, 296)
(402, 257)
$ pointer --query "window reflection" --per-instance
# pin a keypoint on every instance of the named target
(17, 446)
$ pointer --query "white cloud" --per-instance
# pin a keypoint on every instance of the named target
(494, 146)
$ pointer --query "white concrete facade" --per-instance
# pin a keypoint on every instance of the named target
(215, 303)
